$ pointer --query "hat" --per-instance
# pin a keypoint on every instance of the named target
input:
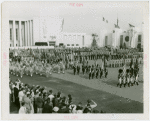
(55, 109)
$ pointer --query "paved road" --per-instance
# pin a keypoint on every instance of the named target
(104, 92)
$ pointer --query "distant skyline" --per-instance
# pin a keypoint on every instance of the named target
(86, 18)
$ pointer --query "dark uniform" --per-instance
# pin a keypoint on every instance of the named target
(106, 73)
(83, 69)
(78, 69)
(97, 72)
(101, 73)
(90, 72)
(74, 69)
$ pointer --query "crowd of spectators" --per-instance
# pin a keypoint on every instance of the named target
(36, 99)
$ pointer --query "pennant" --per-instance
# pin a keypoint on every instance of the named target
(103, 19)
(131, 25)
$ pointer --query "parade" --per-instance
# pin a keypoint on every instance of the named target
(47, 61)
(85, 59)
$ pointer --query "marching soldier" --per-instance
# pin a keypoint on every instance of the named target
(74, 69)
(78, 69)
(97, 72)
(136, 78)
(132, 79)
(128, 77)
(120, 78)
(90, 72)
(106, 73)
(101, 73)
(87, 67)
(83, 69)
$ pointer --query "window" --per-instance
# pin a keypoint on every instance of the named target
(77, 44)
(72, 44)
(68, 44)
(11, 34)
(16, 45)
(16, 34)
(10, 45)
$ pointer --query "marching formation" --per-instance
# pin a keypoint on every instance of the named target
(47, 61)
(29, 67)
(128, 76)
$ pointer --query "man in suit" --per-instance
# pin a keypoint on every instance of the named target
(101, 73)
(16, 93)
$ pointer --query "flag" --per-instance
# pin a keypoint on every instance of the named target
(103, 19)
(116, 26)
(131, 25)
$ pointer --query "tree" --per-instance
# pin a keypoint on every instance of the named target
(124, 45)
(94, 41)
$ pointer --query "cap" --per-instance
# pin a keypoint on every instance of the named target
(55, 109)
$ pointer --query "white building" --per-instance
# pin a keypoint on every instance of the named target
(50, 30)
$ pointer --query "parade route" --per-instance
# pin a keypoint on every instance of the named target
(104, 92)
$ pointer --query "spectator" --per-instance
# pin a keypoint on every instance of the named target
(63, 109)
(16, 92)
(55, 109)
(91, 106)
(39, 103)
(79, 108)
(28, 103)
(51, 96)
(22, 109)
(47, 108)
(21, 94)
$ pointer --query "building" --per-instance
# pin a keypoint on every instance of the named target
(25, 33)
(21, 32)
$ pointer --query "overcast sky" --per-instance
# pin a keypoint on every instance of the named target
(85, 18)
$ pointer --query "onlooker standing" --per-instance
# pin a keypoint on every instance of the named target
(27, 102)
(51, 96)
(16, 92)
(47, 108)
(22, 109)
(21, 94)
(39, 103)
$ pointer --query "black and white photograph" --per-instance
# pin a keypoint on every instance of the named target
(75, 58)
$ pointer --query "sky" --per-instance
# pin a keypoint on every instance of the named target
(86, 18)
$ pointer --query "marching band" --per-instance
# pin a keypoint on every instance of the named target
(44, 62)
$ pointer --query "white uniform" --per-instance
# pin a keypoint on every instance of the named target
(136, 79)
